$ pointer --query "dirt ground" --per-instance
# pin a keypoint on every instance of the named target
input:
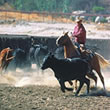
(33, 91)
(96, 31)
(49, 98)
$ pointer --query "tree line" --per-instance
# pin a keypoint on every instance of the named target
(65, 6)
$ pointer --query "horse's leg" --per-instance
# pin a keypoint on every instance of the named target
(101, 77)
(93, 76)
(96, 67)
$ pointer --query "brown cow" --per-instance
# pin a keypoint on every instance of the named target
(5, 58)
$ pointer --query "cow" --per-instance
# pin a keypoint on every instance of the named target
(68, 69)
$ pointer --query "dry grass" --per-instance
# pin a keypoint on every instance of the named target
(32, 17)
(103, 26)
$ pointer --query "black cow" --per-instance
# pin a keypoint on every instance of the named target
(68, 69)
(20, 60)
(59, 52)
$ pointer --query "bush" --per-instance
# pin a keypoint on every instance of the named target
(1, 2)
(72, 18)
(98, 9)
(93, 18)
(104, 20)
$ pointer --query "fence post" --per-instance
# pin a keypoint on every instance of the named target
(5, 16)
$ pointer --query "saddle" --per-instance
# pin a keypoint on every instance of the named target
(86, 53)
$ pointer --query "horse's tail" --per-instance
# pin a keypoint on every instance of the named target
(103, 62)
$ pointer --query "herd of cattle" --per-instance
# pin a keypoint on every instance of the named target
(22, 59)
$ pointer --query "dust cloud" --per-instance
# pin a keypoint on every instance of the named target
(37, 78)
(20, 78)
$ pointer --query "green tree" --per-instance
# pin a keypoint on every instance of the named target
(98, 9)
(56, 5)
(18, 4)
(2, 2)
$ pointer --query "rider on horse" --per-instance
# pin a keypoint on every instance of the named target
(79, 34)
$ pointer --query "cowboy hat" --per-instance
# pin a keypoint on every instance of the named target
(78, 19)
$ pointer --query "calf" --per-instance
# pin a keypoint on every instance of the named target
(68, 69)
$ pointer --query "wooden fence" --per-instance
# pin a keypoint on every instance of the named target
(23, 41)
(41, 16)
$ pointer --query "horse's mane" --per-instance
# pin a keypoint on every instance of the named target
(69, 39)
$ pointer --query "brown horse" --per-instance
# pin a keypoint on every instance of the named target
(70, 50)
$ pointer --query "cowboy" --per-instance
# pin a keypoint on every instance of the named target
(79, 33)
(5, 58)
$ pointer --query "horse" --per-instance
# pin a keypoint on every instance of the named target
(76, 67)
(5, 58)
(37, 53)
(97, 61)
